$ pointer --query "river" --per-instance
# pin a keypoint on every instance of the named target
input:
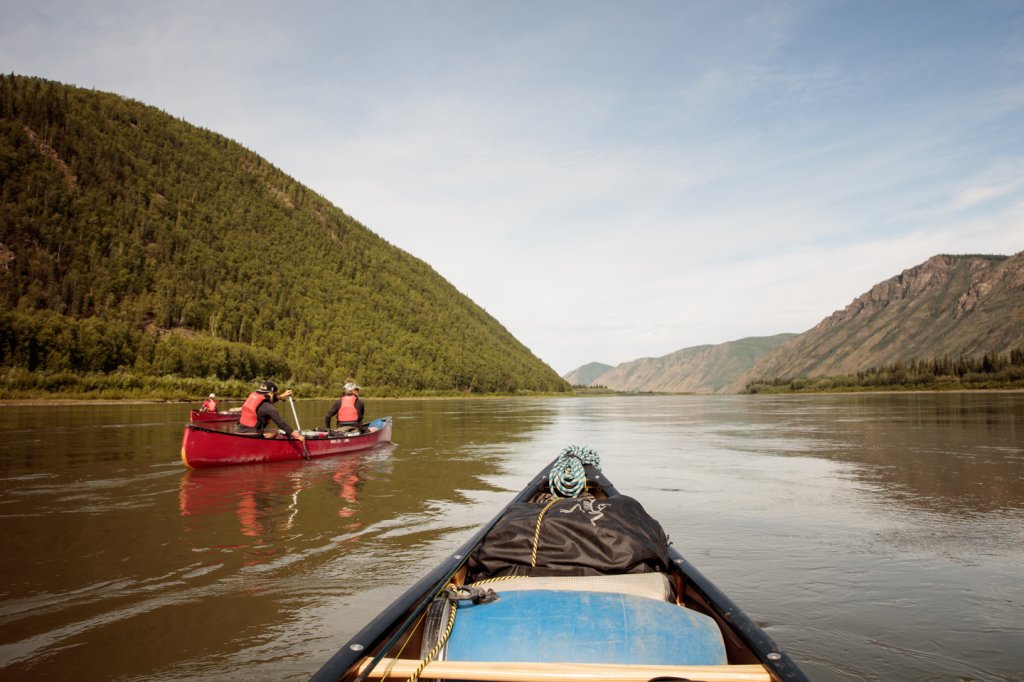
(874, 537)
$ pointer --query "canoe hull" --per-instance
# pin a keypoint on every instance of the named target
(197, 417)
(202, 447)
(751, 653)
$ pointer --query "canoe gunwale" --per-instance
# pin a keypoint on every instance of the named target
(423, 591)
(379, 636)
(723, 608)
(252, 436)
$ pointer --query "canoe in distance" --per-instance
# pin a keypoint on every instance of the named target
(568, 582)
(205, 447)
(199, 417)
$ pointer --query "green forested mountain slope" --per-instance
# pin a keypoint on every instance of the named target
(131, 239)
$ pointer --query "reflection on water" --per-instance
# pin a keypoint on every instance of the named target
(950, 454)
(874, 536)
(265, 501)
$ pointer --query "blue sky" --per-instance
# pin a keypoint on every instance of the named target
(610, 180)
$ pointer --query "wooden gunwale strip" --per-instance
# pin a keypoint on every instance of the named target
(556, 672)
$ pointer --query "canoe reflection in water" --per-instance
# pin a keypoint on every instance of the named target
(265, 500)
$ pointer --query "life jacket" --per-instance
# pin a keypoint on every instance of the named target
(348, 412)
(249, 407)
(210, 405)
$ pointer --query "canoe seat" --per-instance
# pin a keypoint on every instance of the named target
(544, 625)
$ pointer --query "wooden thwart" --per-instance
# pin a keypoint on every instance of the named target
(556, 672)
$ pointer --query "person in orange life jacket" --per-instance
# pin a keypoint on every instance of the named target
(258, 410)
(210, 404)
(349, 409)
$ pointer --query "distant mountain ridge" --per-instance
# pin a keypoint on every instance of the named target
(698, 369)
(950, 305)
(585, 375)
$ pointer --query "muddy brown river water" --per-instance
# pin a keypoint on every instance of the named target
(875, 537)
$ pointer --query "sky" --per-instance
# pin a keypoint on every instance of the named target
(609, 180)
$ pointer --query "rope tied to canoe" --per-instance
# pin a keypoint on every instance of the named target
(536, 532)
(454, 594)
(567, 477)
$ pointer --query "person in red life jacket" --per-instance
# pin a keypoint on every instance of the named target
(349, 409)
(210, 404)
(258, 410)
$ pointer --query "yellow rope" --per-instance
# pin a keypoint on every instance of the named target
(455, 605)
(536, 533)
(440, 643)
(494, 579)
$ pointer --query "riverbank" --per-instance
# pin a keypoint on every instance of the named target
(826, 386)
(23, 385)
(6, 401)
(41, 401)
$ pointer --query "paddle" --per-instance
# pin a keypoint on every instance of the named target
(305, 451)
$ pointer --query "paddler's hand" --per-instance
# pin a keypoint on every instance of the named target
(286, 394)
(298, 436)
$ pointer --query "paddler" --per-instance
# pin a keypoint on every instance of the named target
(258, 410)
(349, 409)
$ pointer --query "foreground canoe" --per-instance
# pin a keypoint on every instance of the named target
(198, 417)
(536, 596)
(202, 447)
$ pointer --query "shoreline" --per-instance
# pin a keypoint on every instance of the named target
(39, 402)
(239, 401)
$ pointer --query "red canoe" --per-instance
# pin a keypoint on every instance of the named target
(202, 447)
(197, 417)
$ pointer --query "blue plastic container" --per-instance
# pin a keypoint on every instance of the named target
(584, 627)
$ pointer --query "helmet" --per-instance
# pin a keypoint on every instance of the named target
(268, 387)
(349, 387)
(212, 395)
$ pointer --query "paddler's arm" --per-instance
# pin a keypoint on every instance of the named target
(276, 417)
(332, 414)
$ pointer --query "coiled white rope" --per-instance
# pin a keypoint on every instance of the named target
(567, 477)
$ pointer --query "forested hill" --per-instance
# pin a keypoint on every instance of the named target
(131, 240)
